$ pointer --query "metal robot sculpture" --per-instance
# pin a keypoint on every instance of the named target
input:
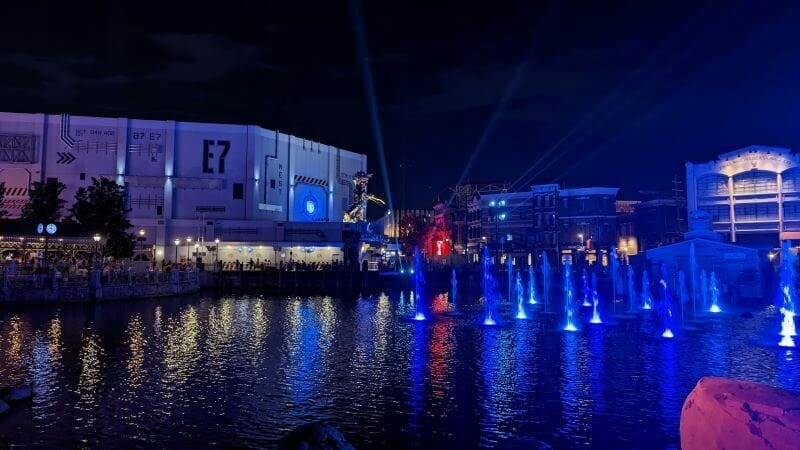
(355, 213)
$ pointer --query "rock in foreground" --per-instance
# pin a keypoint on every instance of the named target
(315, 436)
(730, 414)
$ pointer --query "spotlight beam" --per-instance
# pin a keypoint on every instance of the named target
(508, 93)
(369, 92)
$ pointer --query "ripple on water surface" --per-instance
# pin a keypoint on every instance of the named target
(242, 371)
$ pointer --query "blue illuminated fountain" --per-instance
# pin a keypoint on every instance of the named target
(419, 310)
(614, 275)
(704, 289)
(546, 280)
(519, 291)
(595, 314)
(595, 300)
(510, 275)
(683, 294)
(585, 287)
(647, 296)
(531, 286)
(631, 289)
(571, 318)
(454, 290)
(788, 294)
(714, 291)
(789, 276)
(788, 328)
(488, 289)
(666, 305)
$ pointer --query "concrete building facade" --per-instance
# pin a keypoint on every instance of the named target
(752, 194)
(242, 184)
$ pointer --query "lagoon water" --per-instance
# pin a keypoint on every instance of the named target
(243, 371)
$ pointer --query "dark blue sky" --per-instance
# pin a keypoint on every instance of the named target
(630, 89)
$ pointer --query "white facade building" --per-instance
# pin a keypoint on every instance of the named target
(252, 188)
(752, 194)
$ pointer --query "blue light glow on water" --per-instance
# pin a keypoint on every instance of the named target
(245, 370)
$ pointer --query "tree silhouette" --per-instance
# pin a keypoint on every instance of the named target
(45, 202)
(100, 208)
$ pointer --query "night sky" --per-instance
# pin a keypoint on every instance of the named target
(595, 93)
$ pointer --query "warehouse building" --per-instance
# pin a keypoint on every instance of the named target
(261, 192)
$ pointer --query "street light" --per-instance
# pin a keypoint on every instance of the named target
(188, 241)
(177, 243)
(216, 253)
(96, 239)
(141, 239)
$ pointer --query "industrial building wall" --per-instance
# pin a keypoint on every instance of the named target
(180, 170)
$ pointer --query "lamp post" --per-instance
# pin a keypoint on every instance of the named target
(96, 239)
(188, 242)
(177, 243)
(216, 253)
(141, 239)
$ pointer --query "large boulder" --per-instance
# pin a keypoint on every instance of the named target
(315, 436)
(731, 414)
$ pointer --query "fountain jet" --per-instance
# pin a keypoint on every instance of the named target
(614, 269)
(704, 289)
(546, 280)
(520, 293)
(510, 275)
(419, 280)
(714, 289)
(788, 277)
(531, 286)
(570, 323)
(595, 313)
(585, 287)
(488, 289)
(647, 297)
(683, 294)
(631, 289)
(666, 305)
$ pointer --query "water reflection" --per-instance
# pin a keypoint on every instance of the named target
(498, 383)
(90, 380)
(181, 351)
(242, 371)
(136, 345)
(417, 375)
(575, 394)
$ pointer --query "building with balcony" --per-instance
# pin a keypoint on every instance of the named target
(752, 194)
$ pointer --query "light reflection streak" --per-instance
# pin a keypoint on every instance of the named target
(498, 383)
(136, 345)
(441, 349)
(181, 351)
(417, 375)
(90, 379)
(575, 395)
(303, 372)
